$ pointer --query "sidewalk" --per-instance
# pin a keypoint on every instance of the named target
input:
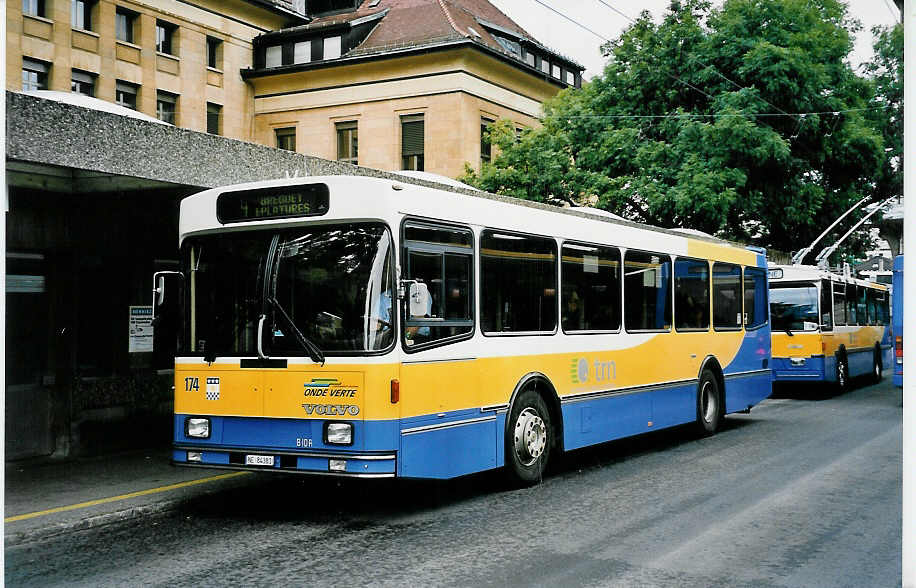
(48, 497)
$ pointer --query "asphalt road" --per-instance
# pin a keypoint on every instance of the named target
(800, 492)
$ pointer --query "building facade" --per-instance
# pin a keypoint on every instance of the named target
(387, 84)
(178, 61)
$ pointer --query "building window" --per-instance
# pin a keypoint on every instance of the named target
(214, 118)
(302, 52)
(273, 56)
(34, 75)
(545, 66)
(165, 37)
(555, 71)
(126, 94)
(486, 146)
(166, 104)
(570, 78)
(286, 138)
(214, 53)
(82, 83)
(81, 14)
(348, 142)
(125, 20)
(510, 45)
(412, 130)
(332, 48)
(33, 7)
(529, 59)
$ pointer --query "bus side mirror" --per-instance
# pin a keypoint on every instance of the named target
(159, 282)
(419, 299)
(159, 291)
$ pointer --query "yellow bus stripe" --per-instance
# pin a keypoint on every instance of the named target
(41, 513)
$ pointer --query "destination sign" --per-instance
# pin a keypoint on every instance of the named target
(269, 203)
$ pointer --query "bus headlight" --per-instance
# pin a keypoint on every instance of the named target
(197, 427)
(338, 433)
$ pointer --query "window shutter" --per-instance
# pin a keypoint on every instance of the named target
(412, 136)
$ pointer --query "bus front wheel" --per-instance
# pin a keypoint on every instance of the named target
(842, 374)
(709, 404)
(529, 438)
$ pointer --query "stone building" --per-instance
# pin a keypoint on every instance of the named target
(389, 84)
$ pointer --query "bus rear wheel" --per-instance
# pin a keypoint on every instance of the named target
(709, 404)
(529, 438)
(877, 366)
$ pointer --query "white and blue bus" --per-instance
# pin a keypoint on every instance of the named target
(354, 326)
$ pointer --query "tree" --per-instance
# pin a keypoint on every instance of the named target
(744, 122)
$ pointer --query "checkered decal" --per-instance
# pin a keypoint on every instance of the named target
(212, 388)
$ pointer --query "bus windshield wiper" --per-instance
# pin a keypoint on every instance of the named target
(314, 352)
(789, 331)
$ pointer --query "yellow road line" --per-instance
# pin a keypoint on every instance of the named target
(32, 515)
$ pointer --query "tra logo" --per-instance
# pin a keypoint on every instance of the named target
(580, 368)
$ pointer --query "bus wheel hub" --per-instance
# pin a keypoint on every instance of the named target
(530, 436)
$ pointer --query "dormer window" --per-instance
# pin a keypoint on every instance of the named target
(273, 56)
(302, 52)
(510, 45)
(332, 48)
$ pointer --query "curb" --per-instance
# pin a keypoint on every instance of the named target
(126, 514)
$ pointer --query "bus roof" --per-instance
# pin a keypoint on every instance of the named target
(386, 198)
(804, 273)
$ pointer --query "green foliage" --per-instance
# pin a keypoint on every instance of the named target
(694, 124)
(886, 72)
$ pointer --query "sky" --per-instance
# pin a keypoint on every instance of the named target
(582, 44)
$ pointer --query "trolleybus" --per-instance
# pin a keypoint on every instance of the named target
(355, 326)
(897, 319)
(827, 327)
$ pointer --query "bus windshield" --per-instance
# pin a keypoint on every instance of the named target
(793, 307)
(327, 287)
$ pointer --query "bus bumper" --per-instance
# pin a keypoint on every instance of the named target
(287, 445)
(787, 369)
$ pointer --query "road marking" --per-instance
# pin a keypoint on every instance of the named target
(41, 513)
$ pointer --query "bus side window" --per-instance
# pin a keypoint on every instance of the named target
(885, 309)
(851, 295)
(647, 291)
(590, 288)
(873, 301)
(839, 304)
(756, 308)
(518, 290)
(861, 305)
(826, 306)
(726, 296)
(691, 294)
(440, 258)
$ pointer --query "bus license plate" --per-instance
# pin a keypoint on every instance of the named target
(259, 460)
